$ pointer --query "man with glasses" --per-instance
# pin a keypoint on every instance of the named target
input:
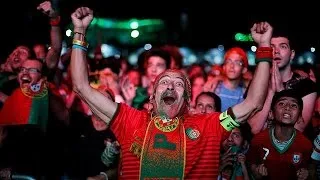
(231, 88)
(35, 117)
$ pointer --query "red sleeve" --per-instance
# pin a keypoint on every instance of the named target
(126, 120)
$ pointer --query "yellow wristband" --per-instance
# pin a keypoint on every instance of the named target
(80, 43)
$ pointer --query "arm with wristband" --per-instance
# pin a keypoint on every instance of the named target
(234, 116)
(100, 105)
(53, 55)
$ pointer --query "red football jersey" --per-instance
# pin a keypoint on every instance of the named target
(202, 146)
(280, 164)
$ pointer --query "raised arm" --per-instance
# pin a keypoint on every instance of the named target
(100, 105)
(53, 55)
(258, 121)
(261, 33)
(307, 111)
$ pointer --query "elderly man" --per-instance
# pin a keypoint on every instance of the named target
(167, 142)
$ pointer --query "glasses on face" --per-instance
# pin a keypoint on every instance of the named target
(30, 70)
(236, 63)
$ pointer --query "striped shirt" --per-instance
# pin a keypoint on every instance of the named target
(202, 153)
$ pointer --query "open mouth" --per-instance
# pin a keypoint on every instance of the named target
(168, 100)
(287, 116)
(16, 60)
(25, 80)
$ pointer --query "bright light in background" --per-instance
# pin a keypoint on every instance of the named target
(108, 51)
(251, 57)
(64, 48)
(214, 56)
(192, 58)
(309, 57)
(68, 32)
(309, 60)
(134, 33)
(189, 57)
(305, 57)
(221, 47)
(133, 57)
(312, 49)
(300, 60)
(134, 25)
(253, 48)
(147, 46)
(243, 37)
(117, 56)
(218, 60)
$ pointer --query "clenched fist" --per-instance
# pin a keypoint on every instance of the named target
(261, 33)
(81, 19)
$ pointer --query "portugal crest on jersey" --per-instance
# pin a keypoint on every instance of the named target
(296, 158)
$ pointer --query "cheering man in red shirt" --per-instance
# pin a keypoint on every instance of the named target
(167, 142)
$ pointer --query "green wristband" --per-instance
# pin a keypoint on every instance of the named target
(227, 122)
(257, 61)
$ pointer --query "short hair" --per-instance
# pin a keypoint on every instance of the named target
(44, 69)
(286, 93)
(216, 98)
(239, 51)
(157, 52)
(111, 62)
(246, 133)
(283, 32)
(175, 54)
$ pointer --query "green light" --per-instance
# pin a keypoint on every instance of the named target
(126, 24)
(134, 24)
(101, 22)
(239, 37)
(243, 37)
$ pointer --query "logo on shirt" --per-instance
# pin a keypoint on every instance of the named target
(296, 158)
(192, 133)
(166, 125)
(35, 87)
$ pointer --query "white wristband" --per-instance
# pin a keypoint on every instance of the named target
(105, 175)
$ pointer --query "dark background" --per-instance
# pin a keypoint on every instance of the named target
(208, 24)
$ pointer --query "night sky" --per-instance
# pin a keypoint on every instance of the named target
(208, 25)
